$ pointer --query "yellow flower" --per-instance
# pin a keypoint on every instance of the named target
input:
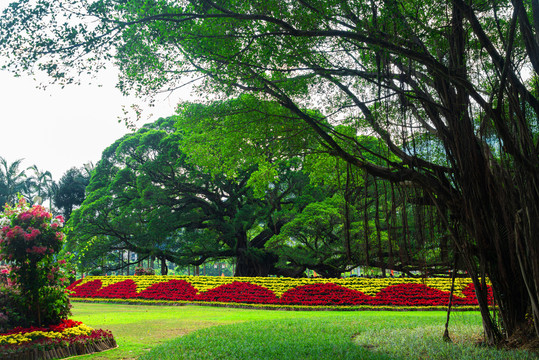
(15, 339)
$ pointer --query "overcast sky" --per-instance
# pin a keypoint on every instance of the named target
(58, 128)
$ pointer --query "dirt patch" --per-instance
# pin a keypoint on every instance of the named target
(523, 340)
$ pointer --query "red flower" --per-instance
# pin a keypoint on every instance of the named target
(324, 294)
(121, 290)
(169, 290)
(241, 292)
(469, 292)
(412, 294)
(88, 289)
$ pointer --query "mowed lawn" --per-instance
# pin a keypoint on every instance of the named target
(204, 332)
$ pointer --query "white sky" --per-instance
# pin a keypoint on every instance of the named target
(59, 128)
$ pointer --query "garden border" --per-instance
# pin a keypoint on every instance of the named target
(62, 352)
(273, 306)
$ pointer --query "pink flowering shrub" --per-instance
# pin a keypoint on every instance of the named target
(30, 239)
(144, 271)
(8, 297)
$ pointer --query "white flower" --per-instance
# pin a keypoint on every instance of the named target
(58, 221)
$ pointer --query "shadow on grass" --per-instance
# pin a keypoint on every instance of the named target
(336, 339)
(292, 339)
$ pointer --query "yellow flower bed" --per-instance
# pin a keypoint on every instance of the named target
(14, 339)
(280, 285)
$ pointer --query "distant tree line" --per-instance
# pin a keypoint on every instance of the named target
(37, 185)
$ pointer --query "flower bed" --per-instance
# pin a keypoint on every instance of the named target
(384, 293)
(69, 338)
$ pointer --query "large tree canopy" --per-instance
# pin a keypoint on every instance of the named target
(227, 137)
(461, 73)
(146, 197)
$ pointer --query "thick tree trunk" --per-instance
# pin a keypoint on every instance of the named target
(164, 267)
(250, 261)
(251, 264)
(489, 206)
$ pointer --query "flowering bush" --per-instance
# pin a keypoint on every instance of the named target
(63, 329)
(411, 294)
(29, 239)
(88, 289)
(469, 292)
(144, 271)
(8, 296)
(391, 292)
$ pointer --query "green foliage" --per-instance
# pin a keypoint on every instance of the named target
(315, 238)
(70, 191)
(233, 135)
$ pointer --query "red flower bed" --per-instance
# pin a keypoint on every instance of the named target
(86, 290)
(416, 295)
(324, 294)
(65, 324)
(469, 292)
(170, 290)
(126, 289)
(412, 293)
(76, 283)
(239, 292)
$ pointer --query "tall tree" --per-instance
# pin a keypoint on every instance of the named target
(70, 191)
(147, 197)
(463, 72)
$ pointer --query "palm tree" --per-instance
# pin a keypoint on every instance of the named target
(12, 181)
(40, 184)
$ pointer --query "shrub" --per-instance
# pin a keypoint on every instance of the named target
(144, 271)
(30, 239)
(11, 307)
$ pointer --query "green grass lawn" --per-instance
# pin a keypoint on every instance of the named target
(202, 332)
